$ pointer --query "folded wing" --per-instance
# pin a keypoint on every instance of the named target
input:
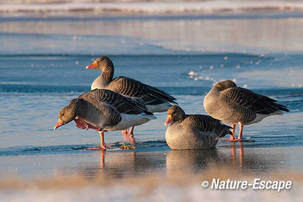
(257, 103)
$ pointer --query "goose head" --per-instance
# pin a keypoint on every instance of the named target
(67, 114)
(102, 63)
(222, 85)
(174, 113)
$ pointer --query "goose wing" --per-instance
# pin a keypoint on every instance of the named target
(133, 88)
(121, 103)
(253, 101)
(91, 111)
(201, 122)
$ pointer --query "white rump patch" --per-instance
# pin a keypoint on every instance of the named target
(128, 120)
(260, 117)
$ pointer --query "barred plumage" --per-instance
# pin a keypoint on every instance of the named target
(121, 103)
(255, 102)
(233, 104)
(236, 105)
(202, 122)
(130, 87)
(94, 112)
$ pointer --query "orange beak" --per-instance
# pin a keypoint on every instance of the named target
(94, 65)
(58, 124)
(168, 120)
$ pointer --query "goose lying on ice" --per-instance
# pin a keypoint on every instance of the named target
(192, 131)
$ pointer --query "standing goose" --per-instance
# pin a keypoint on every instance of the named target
(192, 131)
(232, 105)
(154, 99)
(104, 110)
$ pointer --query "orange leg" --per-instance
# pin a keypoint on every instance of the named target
(232, 137)
(128, 135)
(102, 143)
(131, 131)
(239, 139)
(234, 129)
(240, 132)
(131, 136)
(124, 132)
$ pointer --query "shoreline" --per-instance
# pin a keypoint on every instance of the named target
(172, 177)
(47, 16)
(226, 7)
(178, 186)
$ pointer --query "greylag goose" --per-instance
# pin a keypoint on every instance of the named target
(192, 131)
(104, 110)
(235, 105)
(154, 99)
